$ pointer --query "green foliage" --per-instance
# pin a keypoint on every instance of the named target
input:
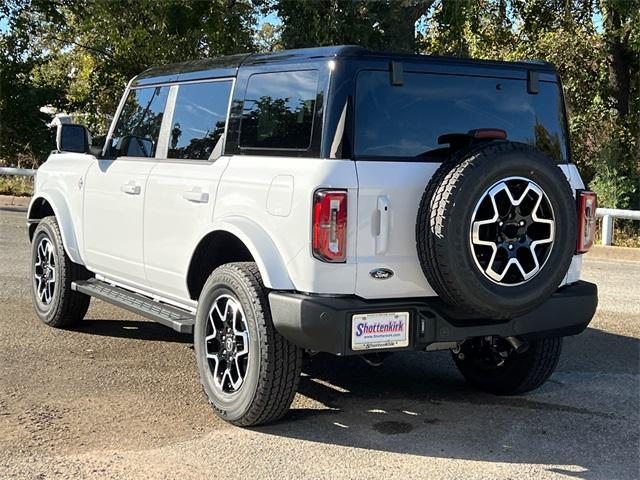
(388, 25)
(23, 127)
(17, 186)
(307, 23)
(77, 55)
(616, 181)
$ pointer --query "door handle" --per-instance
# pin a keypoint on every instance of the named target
(382, 239)
(130, 188)
(196, 196)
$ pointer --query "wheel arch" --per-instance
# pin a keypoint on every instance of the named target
(236, 239)
(53, 203)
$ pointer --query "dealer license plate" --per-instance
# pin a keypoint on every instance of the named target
(379, 330)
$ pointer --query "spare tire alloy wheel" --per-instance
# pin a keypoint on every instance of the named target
(512, 231)
(496, 230)
(227, 344)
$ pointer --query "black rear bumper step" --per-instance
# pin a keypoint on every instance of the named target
(180, 320)
(324, 323)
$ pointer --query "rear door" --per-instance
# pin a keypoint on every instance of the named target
(181, 190)
(396, 131)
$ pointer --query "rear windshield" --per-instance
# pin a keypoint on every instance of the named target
(406, 121)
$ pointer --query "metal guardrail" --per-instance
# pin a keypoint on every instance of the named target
(17, 171)
(608, 214)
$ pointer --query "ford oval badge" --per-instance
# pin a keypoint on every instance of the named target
(381, 273)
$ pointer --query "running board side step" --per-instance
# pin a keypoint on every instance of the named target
(180, 320)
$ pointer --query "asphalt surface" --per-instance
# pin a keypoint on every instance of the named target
(118, 397)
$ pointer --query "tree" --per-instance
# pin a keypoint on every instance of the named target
(383, 25)
(24, 135)
(598, 65)
(88, 49)
(620, 19)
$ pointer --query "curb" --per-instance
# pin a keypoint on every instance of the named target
(13, 201)
(601, 252)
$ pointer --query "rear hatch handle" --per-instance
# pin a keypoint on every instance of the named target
(382, 238)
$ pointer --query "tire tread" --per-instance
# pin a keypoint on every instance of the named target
(281, 361)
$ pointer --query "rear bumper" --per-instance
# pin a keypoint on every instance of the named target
(323, 323)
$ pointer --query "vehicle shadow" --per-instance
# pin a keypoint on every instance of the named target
(419, 404)
(133, 329)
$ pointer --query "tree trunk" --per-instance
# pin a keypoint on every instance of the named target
(399, 23)
(619, 62)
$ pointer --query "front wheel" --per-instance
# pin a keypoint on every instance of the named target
(491, 364)
(52, 273)
(248, 371)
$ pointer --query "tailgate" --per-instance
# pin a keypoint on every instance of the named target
(388, 200)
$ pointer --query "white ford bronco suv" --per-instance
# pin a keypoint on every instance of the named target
(325, 200)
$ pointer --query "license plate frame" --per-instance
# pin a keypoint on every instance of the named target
(380, 330)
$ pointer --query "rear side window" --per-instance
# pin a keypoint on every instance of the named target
(406, 121)
(199, 120)
(278, 110)
(136, 133)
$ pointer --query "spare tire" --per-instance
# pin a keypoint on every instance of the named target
(496, 229)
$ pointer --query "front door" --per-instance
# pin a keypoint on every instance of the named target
(115, 189)
(114, 197)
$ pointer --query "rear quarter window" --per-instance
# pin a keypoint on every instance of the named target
(278, 110)
(406, 121)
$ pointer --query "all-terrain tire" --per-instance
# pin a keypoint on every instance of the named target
(66, 306)
(444, 222)
(521, 372)
(274, 363)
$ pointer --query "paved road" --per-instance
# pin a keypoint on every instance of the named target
(119, 398)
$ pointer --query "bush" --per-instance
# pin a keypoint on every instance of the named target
(19, 186)
(617, 177)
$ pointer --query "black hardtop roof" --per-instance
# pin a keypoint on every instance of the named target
(228, 65)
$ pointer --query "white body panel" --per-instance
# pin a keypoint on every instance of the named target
(178, 212)
(401, 186)
(276, 194)
(59, 182)
(114, 192)
(146, 239)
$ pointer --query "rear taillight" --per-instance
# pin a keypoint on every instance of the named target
(587, 204)
(330, 225)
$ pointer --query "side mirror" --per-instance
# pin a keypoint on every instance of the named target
(73, 138)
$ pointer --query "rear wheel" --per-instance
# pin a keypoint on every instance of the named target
(491, 364)
(248, 371)
(52, 273)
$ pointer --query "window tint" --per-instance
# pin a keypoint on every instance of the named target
(406, 121)
(278, 110)
(137, 130)
(199, 119)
